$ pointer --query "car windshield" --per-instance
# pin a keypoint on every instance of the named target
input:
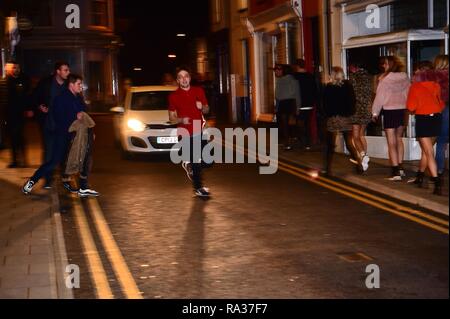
(150, 101)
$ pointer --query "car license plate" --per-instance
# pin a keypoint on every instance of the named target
(167, 140)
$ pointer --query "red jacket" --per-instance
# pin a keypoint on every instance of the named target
(424, 98)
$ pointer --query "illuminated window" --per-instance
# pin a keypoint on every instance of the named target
(242, 5)
(217, 11)
(99, 13)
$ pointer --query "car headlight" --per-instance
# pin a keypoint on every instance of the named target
(136, 125)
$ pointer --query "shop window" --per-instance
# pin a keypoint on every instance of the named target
(426, 51)
(409, 14)
(440, 13)
(96, 83)
(99, 13)
(40, 13)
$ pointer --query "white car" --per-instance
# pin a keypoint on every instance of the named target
(143, 122)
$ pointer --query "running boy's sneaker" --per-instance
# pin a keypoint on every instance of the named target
(87, 193)
(202, 192)
(188, 168)
(28, 187)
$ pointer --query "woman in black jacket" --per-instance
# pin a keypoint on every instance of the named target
(339, 106)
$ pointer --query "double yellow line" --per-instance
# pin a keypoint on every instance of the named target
(97, 271)
(384, 204)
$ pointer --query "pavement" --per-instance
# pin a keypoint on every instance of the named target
(32, 248)
(33, 253)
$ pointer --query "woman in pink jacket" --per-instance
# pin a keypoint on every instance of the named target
(392, 93)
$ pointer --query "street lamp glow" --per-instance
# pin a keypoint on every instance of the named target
(172, 56)
(137, 69)
(181, 35)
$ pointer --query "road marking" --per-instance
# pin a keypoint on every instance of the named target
(397, 209)
(369, 202)
(118, 263)
(98, 274)
(373, 197)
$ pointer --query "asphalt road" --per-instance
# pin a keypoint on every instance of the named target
(274, 236)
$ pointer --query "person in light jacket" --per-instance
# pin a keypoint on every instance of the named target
(392, 92)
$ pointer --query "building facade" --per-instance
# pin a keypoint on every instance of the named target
(251, 36)
(363, 31)
(80, 32)
(256, 34)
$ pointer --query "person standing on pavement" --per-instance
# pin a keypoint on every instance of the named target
(47, 90)
(288, 99)
(187, 105)
(425, 101)
(17, 105)
(339, 107)
(309, 95)
(392, 92)
(66, 109)
(441, 73)
(361, 81)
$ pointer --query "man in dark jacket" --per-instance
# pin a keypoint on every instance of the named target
(309, 91)
(47, 90)
(17, 102)
(67, 108)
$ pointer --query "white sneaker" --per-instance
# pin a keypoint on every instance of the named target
(365, 163)
(28, 187)
(395, 178)
(87, 193)
(202, 192)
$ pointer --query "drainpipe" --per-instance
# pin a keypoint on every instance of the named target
(297, 5)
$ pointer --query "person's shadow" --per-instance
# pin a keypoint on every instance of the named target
(190, 272)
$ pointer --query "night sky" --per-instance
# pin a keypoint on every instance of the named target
(148, 30)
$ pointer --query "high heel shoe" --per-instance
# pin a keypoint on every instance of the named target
(418, 180)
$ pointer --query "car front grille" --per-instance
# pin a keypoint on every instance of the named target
(161, 126)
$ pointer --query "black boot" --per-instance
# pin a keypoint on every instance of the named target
(419, 179)
(437, 186)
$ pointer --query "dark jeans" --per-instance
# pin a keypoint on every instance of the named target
(331, 145)
(304, 127)
(197, 162)
(286, 109)
(59, 154)
(48, 140)
(442, 141)
(87, 163)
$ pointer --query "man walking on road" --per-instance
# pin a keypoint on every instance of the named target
(187, 105)
(47, 90)
(67, 108)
